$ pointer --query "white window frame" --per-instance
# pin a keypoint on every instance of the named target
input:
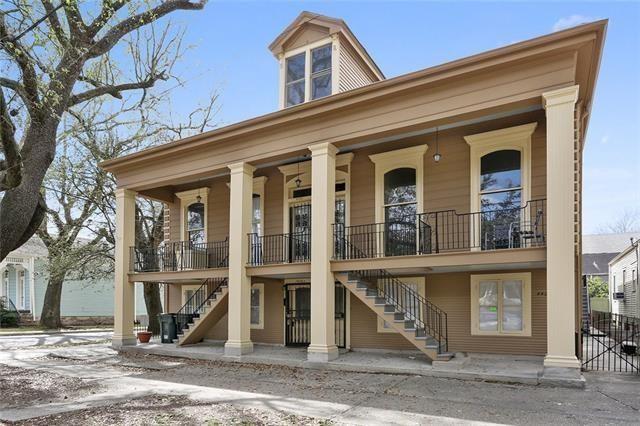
(187, 287)
(525, 277)
(186, 199)
(21, 289)
(307, 69)
(258, 189)
(420, 283)
(411, 158)
(260, 288)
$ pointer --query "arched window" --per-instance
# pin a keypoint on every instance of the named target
(400, 197)
(195, 223)
(500, 180)
(400, 208)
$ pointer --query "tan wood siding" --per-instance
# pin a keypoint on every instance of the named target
(273, 194)
(451, 292)
(273, 331)
(353, 73)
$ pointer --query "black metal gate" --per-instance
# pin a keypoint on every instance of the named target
(611, 342)
(297, 303)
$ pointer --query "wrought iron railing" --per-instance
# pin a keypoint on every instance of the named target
(193, 306)
(611, 342)
(180, 256)
(443, 231)
(279, 248)
(9, 314)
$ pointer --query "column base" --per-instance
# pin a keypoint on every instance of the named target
(561, 361)
(118, 342)
(238, 348)
(322, 353)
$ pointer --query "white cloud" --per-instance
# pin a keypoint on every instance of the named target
(571, 21)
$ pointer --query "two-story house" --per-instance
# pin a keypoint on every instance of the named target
(439, 210)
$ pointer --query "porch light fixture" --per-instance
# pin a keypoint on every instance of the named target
(198, 197)
(437, 156)
(298, 180)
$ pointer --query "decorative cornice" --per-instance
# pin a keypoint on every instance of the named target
(419, 150)
(566, 95)
(241, 167)
(193, 193)
(496, 137)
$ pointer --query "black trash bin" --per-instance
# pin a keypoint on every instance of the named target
(168, 328)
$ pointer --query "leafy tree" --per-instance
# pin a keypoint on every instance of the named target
(597, 287)
(52, 60)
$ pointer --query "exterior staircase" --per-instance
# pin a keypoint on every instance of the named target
(204, 309)
(586, 308)
(419, 321)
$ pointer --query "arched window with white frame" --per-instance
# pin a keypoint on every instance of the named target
(196, 223)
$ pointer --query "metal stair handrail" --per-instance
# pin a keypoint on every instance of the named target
(434, 322)
(7, 304)
(198, 299)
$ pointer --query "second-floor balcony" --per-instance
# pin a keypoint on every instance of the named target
(180, 256)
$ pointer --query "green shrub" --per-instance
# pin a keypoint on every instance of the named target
(8, 319)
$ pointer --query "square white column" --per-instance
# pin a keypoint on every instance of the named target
(323, 194)
(561, 279)
(239, 311)
(124, 309)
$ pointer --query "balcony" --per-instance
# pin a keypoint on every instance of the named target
(180, 256)
(279, 248)
(444, 232)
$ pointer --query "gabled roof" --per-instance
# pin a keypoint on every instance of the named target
(334, 26)
(596, 263)
(607, 243)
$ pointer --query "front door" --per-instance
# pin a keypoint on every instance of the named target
(297, 302)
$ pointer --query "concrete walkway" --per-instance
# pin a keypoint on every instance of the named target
(497, 368)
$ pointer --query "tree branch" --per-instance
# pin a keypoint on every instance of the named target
(114, 90)
(54, 22)
(74, 18)
(133, 22)
(11, 174)
(109, 8)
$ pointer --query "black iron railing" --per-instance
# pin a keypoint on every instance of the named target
(611, 342)
(180, 256)
(443, 231)
(194, 305)
(9, 314)
(279, 248)
(429, 320)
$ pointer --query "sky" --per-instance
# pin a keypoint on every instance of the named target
(229, 55)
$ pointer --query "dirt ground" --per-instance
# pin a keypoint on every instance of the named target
(18, 386)
(170, 410)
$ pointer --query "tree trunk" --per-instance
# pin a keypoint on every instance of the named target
(50, 316)
(153, 304)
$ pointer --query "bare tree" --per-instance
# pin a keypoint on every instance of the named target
(627, 221)
(52, 59)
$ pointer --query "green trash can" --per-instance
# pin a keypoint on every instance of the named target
(168, 328)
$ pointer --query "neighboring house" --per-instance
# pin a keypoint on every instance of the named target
(436, 211)
(623, 277)
(599, 249)
(24, 283)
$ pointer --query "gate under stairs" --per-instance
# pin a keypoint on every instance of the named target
(611, 342)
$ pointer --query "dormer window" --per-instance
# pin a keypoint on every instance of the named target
(313, 66)
(321, 72)
(296, 79)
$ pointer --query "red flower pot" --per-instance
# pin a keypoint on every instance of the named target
(144, 336)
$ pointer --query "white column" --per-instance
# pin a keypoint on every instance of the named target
(561, 300)
(239, 337)
(124, 309)
(323, 181)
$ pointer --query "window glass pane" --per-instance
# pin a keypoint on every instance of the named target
(257, 215)
(512, 305)
(295, 67)
(195, 216)
(400, 186)
(339, 212)
(321, 58)
(500, 170)
(295, 93)
(255, 306)
(488, 302)
(500, 217)
(197, 236)
(321, 86)
(501, 200)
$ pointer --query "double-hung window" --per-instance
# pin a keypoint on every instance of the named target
(308, 75)
(501, 304)
(257, 306)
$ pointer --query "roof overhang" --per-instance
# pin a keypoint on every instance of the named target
(581, 46)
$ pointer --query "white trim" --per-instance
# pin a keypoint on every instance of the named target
(258, 189)
(525, 277)
(412, 157)
(186, 287)
(421, 285)
(517, 138)
(20, 285)
(186, 199)
(260, 325)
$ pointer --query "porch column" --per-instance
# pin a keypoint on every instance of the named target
(239, 311)
(560, 105)
(323, 181)
(124, 309)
